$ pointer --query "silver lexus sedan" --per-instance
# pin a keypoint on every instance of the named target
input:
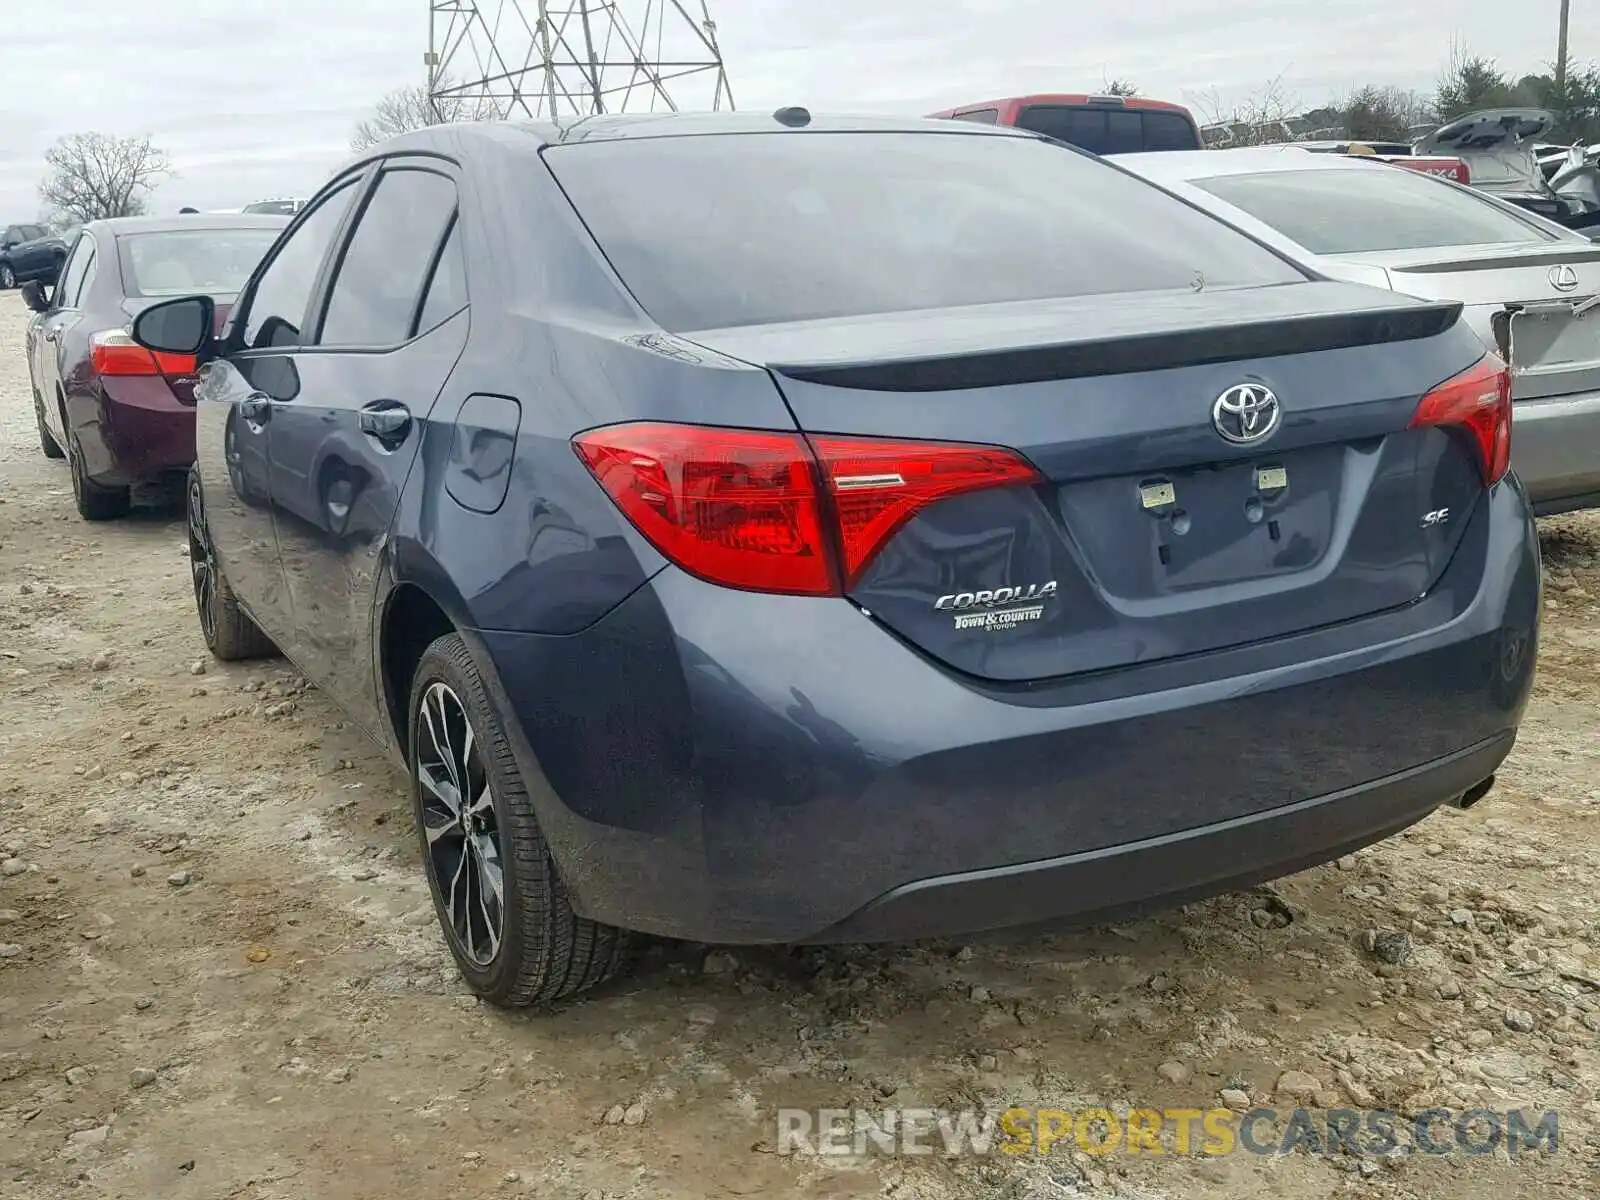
(1531, 288)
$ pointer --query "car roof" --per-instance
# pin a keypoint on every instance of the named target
(611, 127)
(1167, 166)
(183, 222)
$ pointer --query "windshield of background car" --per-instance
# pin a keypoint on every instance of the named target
(184, 262)
(1111, 130)
(1379, 207)
(745, 229)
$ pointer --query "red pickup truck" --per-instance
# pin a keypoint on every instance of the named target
(1099, 124)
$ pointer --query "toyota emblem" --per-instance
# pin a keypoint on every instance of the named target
(1563, 278)
(1246, 413)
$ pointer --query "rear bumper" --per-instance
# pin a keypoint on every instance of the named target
(724, 767)
(1173, 869)
(140, 432)
(1555, 450)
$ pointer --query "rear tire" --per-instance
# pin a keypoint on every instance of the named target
(229, 632)
(47, 440)
(95, 503)
(529, 947)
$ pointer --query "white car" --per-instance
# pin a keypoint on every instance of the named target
(1530, 288)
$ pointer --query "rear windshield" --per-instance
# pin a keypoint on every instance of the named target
(747, 229)
(1111, 131)
(1379, 207)
(179, 263)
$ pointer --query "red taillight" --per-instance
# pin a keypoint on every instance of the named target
(772, 512)
(1478, 402)
(114, 352)
(878, 485)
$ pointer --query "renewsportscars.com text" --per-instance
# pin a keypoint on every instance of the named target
(1154, 1131)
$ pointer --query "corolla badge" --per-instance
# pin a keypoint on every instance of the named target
(1246, 413)
(997, 608)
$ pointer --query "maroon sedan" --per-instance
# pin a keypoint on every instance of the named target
(120, 414)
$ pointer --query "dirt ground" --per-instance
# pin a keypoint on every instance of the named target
(219, 976)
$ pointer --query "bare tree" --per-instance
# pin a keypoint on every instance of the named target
(1383, 114)
(408, 108)
(1264, 118)
(1470, 82)
(89, 176)
(1120, 87)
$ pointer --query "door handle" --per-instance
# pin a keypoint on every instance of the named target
(386, 420)
(256, 407)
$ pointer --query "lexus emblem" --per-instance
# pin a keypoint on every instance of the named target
(1563, 278)
(1246, 413)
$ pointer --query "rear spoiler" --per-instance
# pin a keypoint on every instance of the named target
(1133, 352)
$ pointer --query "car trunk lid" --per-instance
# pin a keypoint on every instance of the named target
(1151, 534)
(1532, 303)
(1498, 147)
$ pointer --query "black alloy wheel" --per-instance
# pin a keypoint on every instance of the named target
(229, 632)
(459, 825)
(501, 903)
(202, 563)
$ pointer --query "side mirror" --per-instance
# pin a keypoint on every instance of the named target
(176, 326)
(33, 296)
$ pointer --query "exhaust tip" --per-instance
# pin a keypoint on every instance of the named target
(1473, 794)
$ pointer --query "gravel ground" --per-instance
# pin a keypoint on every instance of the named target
(219, 976)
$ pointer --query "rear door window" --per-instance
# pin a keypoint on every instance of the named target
(745, 229)
(91, 268)
(379, 283)
(1371, 208)
(447, 290)
(72, 274)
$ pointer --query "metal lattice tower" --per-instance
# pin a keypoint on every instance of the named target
(538, 58)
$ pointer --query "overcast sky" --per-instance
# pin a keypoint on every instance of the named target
(252, 98)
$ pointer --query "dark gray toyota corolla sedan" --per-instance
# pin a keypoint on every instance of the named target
(776, 529)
